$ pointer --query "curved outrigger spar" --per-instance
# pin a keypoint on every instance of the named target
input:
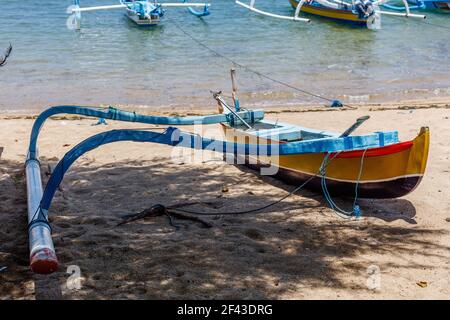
(358, 12)
(141, 12)
(377, 165)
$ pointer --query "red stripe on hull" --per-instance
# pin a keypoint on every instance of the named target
(376, 152)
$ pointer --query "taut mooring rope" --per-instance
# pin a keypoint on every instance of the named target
(262, 75)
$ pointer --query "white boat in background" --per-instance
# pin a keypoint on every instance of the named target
(141, 12)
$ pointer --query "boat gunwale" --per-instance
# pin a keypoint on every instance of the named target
(380, 139)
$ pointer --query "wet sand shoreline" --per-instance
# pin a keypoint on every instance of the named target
(441, 103)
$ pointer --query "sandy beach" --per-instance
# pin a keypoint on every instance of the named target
(298, 249)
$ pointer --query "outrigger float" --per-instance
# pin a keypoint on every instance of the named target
(375, 165)
(356, 12)
(142, 12)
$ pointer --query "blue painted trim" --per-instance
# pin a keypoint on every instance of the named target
(144, 7)
(381, 137)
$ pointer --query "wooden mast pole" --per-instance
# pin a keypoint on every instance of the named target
(234, 88)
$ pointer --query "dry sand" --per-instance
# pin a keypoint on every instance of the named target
(297, 250)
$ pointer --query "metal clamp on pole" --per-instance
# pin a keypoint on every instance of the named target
(219, 99)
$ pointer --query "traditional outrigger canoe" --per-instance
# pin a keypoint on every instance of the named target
(359, 16)
(375, 165)
(356, 12)
(378, 165)
(141, 12)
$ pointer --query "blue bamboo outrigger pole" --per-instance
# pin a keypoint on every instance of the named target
(42, 252)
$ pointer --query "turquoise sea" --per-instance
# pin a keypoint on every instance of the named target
(111, 61)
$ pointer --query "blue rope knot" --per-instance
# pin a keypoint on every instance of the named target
(357, 211)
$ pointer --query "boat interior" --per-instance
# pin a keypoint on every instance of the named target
(276, 131)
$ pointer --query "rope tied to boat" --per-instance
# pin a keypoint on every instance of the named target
(329, 157)
(161, 210)
(322, 171)
(356, 210)
(253, 71)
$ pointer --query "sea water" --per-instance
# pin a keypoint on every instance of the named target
(113, 62)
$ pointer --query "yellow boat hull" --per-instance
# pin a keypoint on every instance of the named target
(342, 15)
